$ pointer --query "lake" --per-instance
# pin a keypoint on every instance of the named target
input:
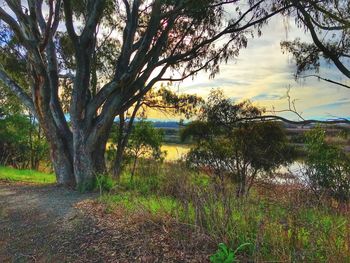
(175, 151)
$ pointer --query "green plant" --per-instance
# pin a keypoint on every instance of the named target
(328, 166)
(145, 141)
(21, 142)
(225, 254)
(105, 183)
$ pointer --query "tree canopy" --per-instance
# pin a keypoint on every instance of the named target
(328, 24)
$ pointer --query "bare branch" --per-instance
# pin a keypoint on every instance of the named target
(325, 79)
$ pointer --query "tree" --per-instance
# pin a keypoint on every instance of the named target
(163, 100)
(145, 140)
(230, 146)
(21, 142)
(156, 38)
(328, 24)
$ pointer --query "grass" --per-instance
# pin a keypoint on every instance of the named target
(152, 204)
(30, 176)
(284, 227)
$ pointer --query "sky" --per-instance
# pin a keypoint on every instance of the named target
(263, 74)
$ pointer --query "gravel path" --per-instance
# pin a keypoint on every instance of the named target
(38, 222)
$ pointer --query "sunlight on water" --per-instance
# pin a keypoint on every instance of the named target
(175, 151)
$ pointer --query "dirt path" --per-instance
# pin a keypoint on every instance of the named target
(37, 223)
(42, 224)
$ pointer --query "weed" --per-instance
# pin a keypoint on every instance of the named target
(225, 254)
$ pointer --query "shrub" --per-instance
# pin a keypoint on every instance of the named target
(145, 140)
(328, 167)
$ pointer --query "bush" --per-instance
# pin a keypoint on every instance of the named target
(328, 167)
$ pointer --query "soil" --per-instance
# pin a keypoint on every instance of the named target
(53, 224)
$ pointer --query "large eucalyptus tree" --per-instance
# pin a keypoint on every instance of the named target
(155, 39)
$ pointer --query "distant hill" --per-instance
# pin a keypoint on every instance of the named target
(166, 124)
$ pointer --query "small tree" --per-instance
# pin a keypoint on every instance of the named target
(163, 100)
(145, 140)
(328, 167)
(227, 145)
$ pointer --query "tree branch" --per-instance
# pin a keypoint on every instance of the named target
(17, 91)
(69, 21)
(307, 20)
(303, 122)
(328, 80)
(11, 22)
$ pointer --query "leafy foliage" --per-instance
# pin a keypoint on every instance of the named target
(329, 25)
(21, 144)
(328, 166)
(105, 183)
(145, 140)
(307, 56)
(225, 254)
(229, 144)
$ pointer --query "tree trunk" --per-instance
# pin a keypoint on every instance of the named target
(123, 139)
(133, 169)
(117, 168)
(98, 159)
(62, 164)
(241, 188)
(60, 143)
(98, 154)
(82, 162)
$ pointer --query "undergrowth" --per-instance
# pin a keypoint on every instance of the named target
(280, 224)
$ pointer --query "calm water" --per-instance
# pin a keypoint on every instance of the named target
(175, 151)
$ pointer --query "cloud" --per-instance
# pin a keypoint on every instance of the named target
(266, 96)
(331, 106)
(263, 74)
